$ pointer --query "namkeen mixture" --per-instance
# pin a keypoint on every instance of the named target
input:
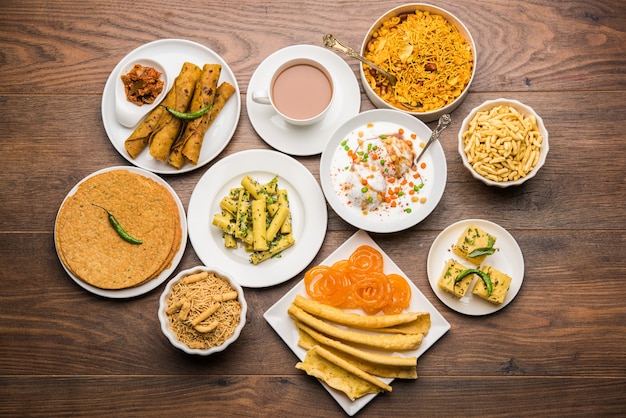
(431, 59)
(142, 84)
(203, 310)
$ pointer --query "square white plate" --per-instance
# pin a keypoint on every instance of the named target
(282, 323)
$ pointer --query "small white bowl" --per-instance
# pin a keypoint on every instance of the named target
(129, 114)
(522, 109)
(165, 326)
(430, 115)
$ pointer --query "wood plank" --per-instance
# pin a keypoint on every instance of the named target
(240, 396)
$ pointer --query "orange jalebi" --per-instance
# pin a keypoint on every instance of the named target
(400, 295)
(359, 282)
(366, 258)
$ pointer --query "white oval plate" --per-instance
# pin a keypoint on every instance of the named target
(154, 283)
(385, 219)
(279, 319)
(303, 140)
(308, 211)
(508, 259)
(172, 53)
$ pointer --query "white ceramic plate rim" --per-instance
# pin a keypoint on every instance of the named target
(508, 259)
(279, 319)
(165, 324)
(434, 157)
(172, 53)
(303, 140)
(306, 201)
(154, 283)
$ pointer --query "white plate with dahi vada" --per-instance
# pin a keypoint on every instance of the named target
(356, 355)
(120, 232)
(369, 176)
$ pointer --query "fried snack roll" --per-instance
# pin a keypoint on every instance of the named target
(384, 342)
(203, 96)
(359, 360)
(168, 126)
(340, 374)
(384, 359)
(355, 320)
(191, 148)
(140, 137)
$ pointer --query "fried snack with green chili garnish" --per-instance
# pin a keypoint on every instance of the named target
(500, 284)
(447, 280)
(203, 96)
(169, 126)
(94, 251)
(193, 144)
(475, 245)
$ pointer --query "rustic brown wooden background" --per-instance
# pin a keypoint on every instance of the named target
(558, 349)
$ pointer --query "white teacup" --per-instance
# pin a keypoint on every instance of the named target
(301, 91)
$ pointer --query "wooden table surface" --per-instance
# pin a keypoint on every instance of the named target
(557, 349)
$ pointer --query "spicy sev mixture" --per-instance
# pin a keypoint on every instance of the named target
(203, 310)
(431, 59)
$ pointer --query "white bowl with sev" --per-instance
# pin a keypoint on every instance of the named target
(202, 310)
(503, 142)
(429, 50)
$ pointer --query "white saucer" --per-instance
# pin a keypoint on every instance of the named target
(303, 140)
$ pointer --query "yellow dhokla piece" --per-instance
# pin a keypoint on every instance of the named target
(500, 283)
(473, 238)
(450, 272)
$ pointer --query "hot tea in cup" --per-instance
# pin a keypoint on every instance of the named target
(301, 91)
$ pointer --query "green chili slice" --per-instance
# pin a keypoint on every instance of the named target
(488, 250)
(118, 228)
(189, 115)
(481, 274)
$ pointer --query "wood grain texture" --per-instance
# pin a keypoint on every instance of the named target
(557, 350)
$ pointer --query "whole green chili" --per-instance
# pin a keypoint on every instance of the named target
(118, 228)
(480, 273)
(189, 115)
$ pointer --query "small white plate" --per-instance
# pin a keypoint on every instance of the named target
(308, 211)
(508, 259)
(385, 218)
(172, 53)
(154, 283)
(279, 319)
(303, 140)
